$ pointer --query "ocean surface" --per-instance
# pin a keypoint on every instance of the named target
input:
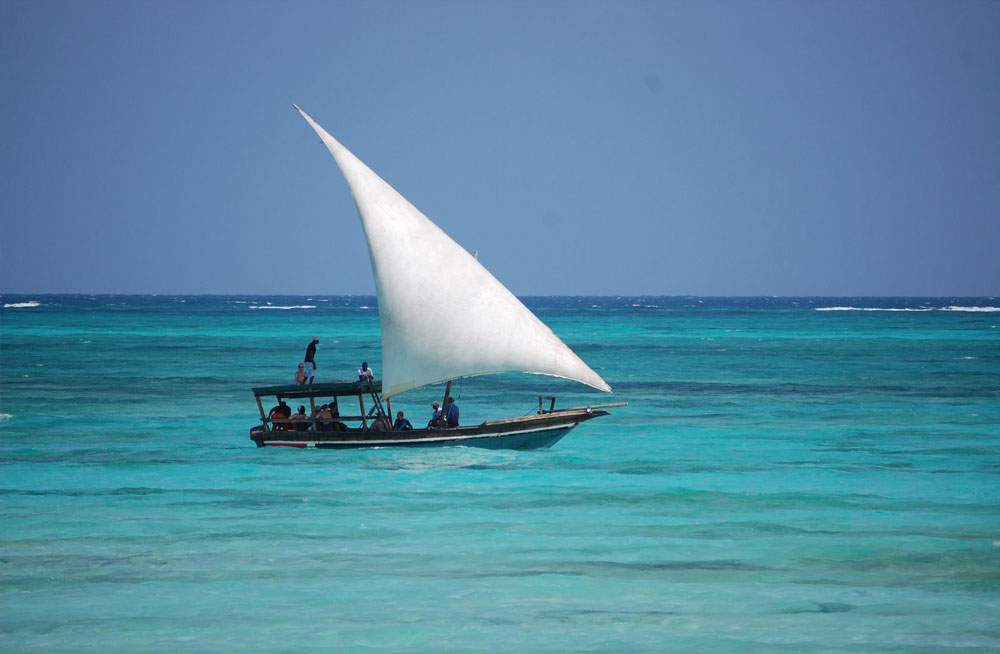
(791, 475)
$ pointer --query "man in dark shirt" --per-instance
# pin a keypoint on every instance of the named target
(310, 359)
(401, 424)
(451, 412)
(280, 412)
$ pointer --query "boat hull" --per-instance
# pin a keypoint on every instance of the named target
(526, 433)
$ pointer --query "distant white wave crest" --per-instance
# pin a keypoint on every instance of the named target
(5, 416)
(975, 309)
(282, 308)
(22, 305)
(870, 309)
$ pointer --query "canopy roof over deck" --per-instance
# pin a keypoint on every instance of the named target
(329, 389)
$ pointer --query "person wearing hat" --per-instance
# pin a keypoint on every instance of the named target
(310, 361)
(435, 421)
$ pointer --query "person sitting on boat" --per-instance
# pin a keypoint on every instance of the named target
(335, 413)
(279, 412)
(451, 412)
(365, 373)
(436, 422)
(301, 416)
(380, 424)
(300, 375)
(324, 419)
(401, 424)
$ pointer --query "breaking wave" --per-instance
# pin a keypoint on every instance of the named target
(283, 308)
(975, 309)
(22, 305)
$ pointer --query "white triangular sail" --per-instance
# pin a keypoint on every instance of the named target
(443, 315)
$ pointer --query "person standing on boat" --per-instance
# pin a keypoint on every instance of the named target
(401, 424)
(365, 373)
(310, 360)
(451, 412)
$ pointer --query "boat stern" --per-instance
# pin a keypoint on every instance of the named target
(257, 435)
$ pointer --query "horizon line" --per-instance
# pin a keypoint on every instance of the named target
(527, 295)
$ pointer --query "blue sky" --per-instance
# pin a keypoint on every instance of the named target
(662, 148)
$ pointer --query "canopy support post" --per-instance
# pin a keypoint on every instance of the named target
(263, 416)
(312, 412)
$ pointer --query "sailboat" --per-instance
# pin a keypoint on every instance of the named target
(478, 327)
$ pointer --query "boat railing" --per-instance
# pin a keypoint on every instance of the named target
(588, 408)
(591, 407)
(273, 422)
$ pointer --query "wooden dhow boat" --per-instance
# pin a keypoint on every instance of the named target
(481, 329)
(350, 429)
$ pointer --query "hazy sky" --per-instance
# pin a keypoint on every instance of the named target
(667, 148)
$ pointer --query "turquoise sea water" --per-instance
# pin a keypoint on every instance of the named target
(785, 479)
